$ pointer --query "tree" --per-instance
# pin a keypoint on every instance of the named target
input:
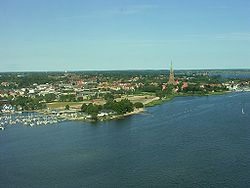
(180, 84)
(121, 107)
(67, 107)
(169, 89)
(127, 105)
(50, 97)
(150, 88)
(84, 107)
(160, 94)
(68, 98)
(29, 103)
(93, 110)
(109, 97)
(79, 99)
(138, 105)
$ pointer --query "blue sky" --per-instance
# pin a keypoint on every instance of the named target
(62, 35)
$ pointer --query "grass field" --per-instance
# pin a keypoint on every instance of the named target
(145, 99)
(140, 98)
(60, 105)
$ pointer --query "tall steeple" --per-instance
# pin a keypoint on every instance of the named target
(171, 75)
(171, 68)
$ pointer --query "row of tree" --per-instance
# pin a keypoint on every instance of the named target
(119, 107)
(28, 103)
(197, 89)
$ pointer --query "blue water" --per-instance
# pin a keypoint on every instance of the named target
(188, 142)
(231, 75)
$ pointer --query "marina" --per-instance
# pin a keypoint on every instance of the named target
(28, 119)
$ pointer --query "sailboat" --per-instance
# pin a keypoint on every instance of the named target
(242, 111)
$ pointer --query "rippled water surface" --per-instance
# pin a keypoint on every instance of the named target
(188, 142)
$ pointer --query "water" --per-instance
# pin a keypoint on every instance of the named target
(242, 75)
(188, 142)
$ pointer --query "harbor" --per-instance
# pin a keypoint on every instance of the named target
(28, 119)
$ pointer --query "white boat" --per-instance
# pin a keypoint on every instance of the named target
(242, 111)
(2, 128)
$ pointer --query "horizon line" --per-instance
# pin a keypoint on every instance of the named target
(102, 70)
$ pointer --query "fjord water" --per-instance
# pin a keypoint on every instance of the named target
(187, 142)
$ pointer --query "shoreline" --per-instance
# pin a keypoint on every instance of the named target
(162, 101)
(152, 103)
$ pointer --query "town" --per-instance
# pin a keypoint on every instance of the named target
(105, 95)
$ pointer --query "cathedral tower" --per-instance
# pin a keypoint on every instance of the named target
(171, 76)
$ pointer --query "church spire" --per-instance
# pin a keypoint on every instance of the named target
(171, 67)
(171, 75)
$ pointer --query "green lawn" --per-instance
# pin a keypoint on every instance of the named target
(57, 105)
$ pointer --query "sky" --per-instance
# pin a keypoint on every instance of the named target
(80, 35)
